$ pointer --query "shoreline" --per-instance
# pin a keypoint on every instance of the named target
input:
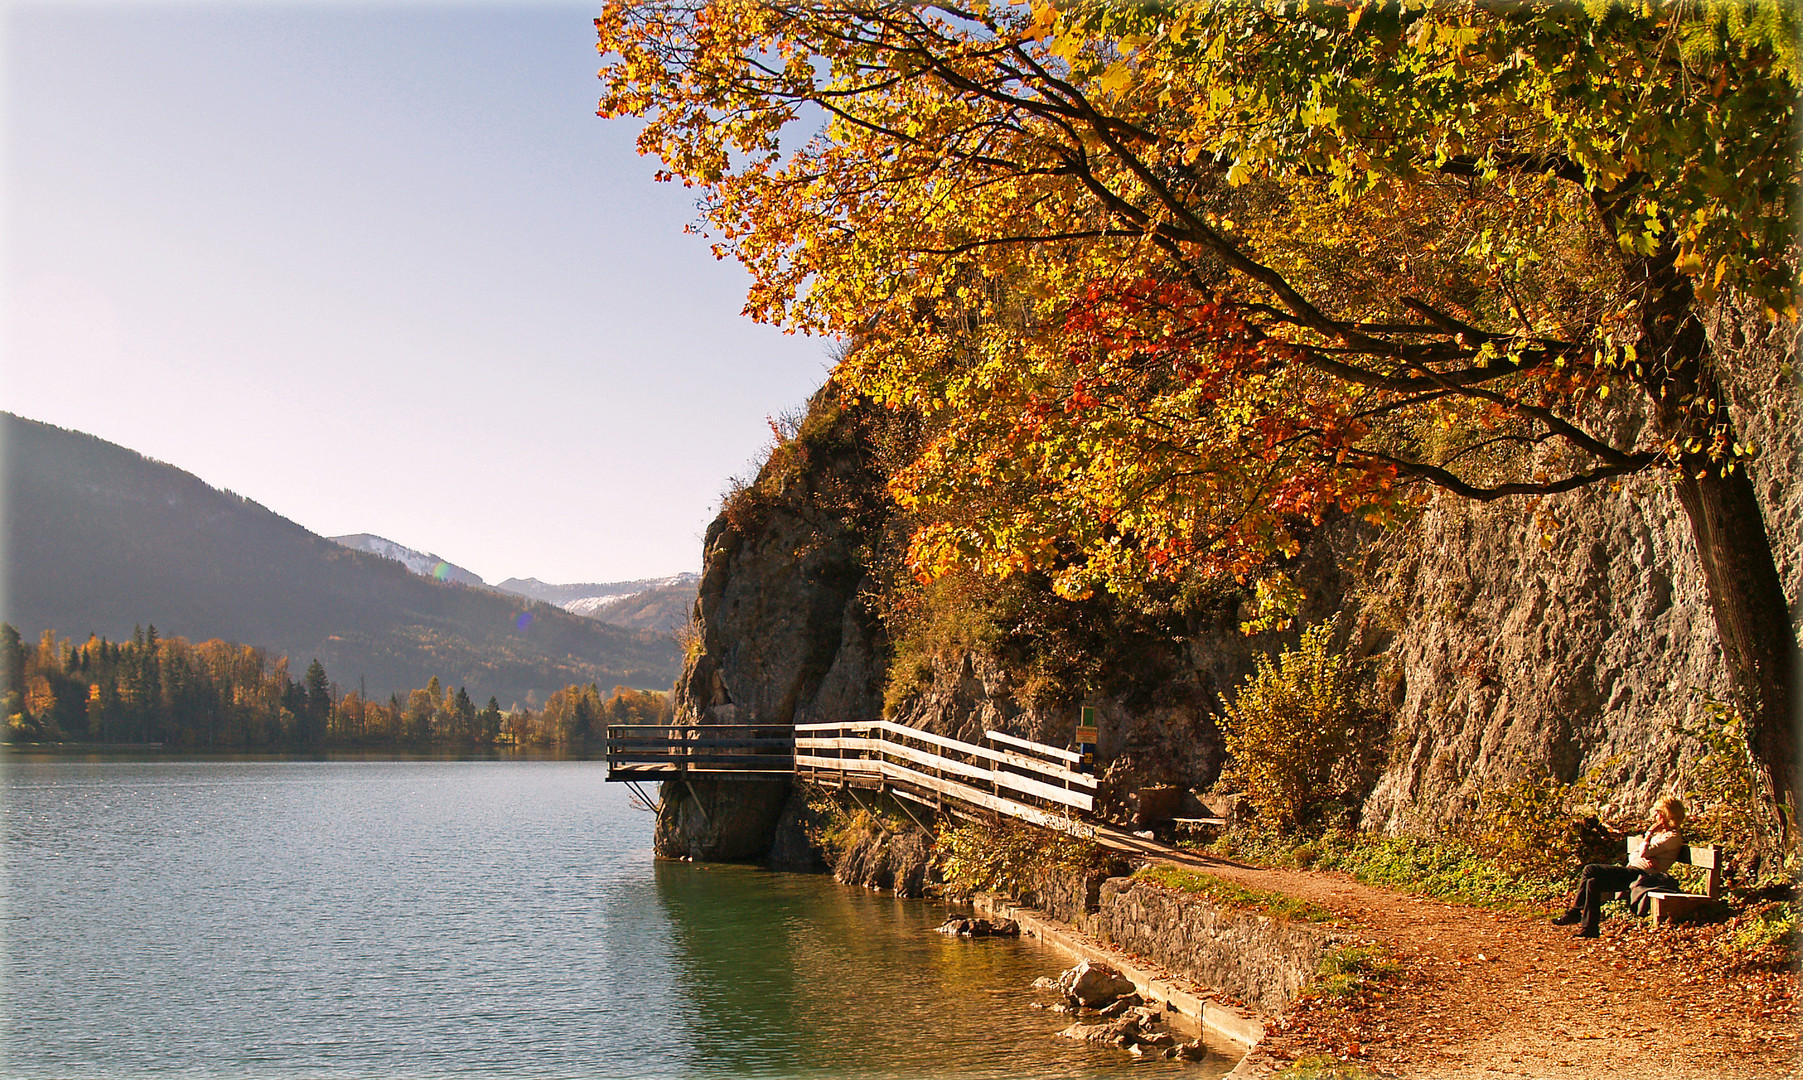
(1192, 1007)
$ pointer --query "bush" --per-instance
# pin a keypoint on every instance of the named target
(1535, 829)
(1005, 858)
(1292, 721)
(1727, 793)
(1765, 934)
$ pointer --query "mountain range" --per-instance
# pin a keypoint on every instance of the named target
(661, 604)
(646, 604)
(100, 539)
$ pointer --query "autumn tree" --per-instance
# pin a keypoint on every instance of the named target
(1166, 283)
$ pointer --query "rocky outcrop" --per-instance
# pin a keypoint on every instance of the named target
(719, 820)
(900, 862)
(782, 634)
(1572, 640)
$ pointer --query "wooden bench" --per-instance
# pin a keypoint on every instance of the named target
(1673, 905)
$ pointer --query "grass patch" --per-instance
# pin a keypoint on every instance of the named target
(1230, 895)
(1323, 1067)
(1443, 869)
(1768, 932)
(1346, 971)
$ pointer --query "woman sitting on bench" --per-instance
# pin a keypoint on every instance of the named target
(1599, 881)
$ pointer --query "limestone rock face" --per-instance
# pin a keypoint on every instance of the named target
(904, 862)
(719, 821)
(781, 635)
(784, 638)
(1510, 646)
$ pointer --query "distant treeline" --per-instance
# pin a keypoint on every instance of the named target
(218, 695)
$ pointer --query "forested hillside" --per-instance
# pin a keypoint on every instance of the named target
(219, 695)
(100, 539)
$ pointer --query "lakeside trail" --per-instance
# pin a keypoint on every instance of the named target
(1490, 994)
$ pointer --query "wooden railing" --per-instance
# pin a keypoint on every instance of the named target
(1009, 776)
(1004, 774)
(648, 751)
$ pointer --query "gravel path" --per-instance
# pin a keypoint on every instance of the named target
(1489, 995)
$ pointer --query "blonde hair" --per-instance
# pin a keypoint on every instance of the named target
(1673, 809)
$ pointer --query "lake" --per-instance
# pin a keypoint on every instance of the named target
(428, 919)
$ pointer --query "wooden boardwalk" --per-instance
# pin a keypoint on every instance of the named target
(1002, 775)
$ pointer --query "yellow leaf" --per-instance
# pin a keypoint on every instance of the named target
(1117, 78)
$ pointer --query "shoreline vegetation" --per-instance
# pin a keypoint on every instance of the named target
(166, 693)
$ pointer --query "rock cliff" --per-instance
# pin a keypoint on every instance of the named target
(1500, 642)
(783, 633)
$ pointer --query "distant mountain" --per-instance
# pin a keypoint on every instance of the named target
(422, 563)
(568, 596)
(665, 608)
(100, 539)
(657, 604)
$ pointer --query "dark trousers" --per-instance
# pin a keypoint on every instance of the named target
(1597, 883)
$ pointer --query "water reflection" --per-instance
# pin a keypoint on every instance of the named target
(264, 919)
(797, 976)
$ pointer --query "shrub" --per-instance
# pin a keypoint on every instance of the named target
(1765, 934)
(1290, 724)
(1005, 857)
(833, 827)
(1727, 793)
(1535, 829)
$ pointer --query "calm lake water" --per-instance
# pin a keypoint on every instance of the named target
(468, 919)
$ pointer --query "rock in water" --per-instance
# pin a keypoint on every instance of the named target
(1113, 1032)
(1094, 985)
(963, 927)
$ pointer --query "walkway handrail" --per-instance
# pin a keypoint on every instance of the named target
(1005, 774)
(649, 749)
(890, 753)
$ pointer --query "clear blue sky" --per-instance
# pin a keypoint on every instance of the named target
(381, 269)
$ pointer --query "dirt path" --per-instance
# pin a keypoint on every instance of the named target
(1492, 995)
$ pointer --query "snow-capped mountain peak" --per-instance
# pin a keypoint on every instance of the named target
(423, 563)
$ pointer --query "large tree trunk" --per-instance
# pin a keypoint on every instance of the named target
(1752, 615)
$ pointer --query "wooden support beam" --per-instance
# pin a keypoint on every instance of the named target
(705, 820)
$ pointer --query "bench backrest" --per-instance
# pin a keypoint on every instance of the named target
(1705, 857)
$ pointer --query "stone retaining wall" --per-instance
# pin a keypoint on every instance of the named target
(1259, 960)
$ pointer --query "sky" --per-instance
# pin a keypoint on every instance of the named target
(381, 269)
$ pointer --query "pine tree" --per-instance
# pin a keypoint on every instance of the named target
(463, 717)
(488, 723)
(319, 703)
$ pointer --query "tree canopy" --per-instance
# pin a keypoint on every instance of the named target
(1167, 282)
